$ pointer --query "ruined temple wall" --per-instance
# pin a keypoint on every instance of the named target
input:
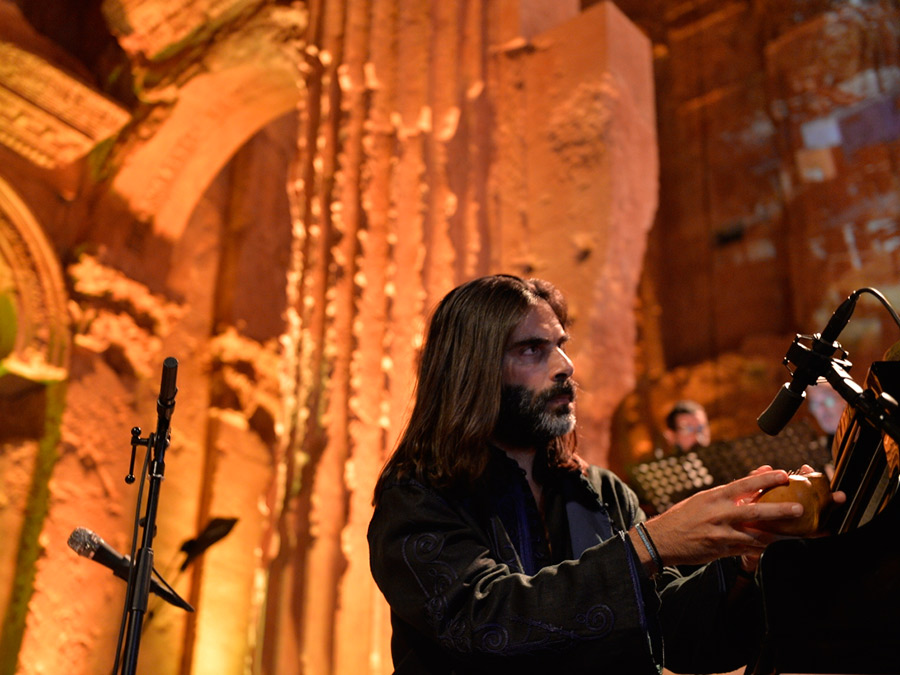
(778, 190)
(279, 207)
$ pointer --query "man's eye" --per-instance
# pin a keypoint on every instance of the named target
(533, 349)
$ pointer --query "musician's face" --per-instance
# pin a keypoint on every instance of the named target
(538, 397)
(690, 429)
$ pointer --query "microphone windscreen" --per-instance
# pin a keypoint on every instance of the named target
(84, 542)
(167, 387)
(780, 411)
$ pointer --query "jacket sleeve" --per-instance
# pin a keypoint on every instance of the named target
(437, 572)
(708, 622)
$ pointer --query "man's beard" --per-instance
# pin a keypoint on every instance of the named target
(525, 419)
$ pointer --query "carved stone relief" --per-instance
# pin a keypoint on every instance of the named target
(47, 116)
(33, 319)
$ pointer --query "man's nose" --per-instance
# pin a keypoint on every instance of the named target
(563, 368)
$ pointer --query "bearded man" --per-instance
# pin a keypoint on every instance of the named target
(499, 550)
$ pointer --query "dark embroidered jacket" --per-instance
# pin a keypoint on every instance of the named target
(476, 585)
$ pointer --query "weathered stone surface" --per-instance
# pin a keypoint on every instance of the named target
(35, 322)
(522, 20)
(159, 28)
(590, 185)
(431, 143)
(778, 134)
(17, 459)
(48, 116)
(247, 81)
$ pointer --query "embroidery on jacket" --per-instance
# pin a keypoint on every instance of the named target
(421, 553)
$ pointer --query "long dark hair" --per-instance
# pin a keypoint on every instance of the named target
(457, 398)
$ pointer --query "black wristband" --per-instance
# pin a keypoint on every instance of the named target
(649, 545)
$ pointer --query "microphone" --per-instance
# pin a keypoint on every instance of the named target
(165, 404)
(167, 388)
(89, 545)
(792, 394)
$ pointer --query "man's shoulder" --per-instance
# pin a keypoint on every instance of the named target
(608, 486)
(406, 487)
(602, 476)
(407, 494)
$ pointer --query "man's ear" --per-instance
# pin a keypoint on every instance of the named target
(669, 435)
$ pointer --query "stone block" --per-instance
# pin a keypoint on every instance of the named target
(717, 50)
(523, 19)
(591, 189)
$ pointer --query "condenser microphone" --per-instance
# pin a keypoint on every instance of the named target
(89, 545)
(788, 399)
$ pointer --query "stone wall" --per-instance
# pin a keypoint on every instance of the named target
(778, 198)
(276, 194)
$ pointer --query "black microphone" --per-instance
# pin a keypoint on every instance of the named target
(90, 545)
(839, 321)
(792, 394)
(167, 388)
(165, 404)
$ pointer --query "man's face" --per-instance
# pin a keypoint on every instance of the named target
(538, 398)
(690, 429)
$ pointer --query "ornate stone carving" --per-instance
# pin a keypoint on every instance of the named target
(47, 116)
(249, 79)
(153, 27)
(33, 295)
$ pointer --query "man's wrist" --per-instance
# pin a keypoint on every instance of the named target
(646, 550)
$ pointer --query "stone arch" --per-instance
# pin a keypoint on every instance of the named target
(32, 300)
(245, 82)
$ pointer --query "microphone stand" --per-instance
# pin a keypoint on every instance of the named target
(157, 442)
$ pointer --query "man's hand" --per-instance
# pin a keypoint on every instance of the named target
(716, 523)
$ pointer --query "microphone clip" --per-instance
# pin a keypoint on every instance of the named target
(810, 358)
(136, 440)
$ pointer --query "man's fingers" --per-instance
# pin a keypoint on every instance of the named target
(749, 513)
(760, 469)
(755, 482)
